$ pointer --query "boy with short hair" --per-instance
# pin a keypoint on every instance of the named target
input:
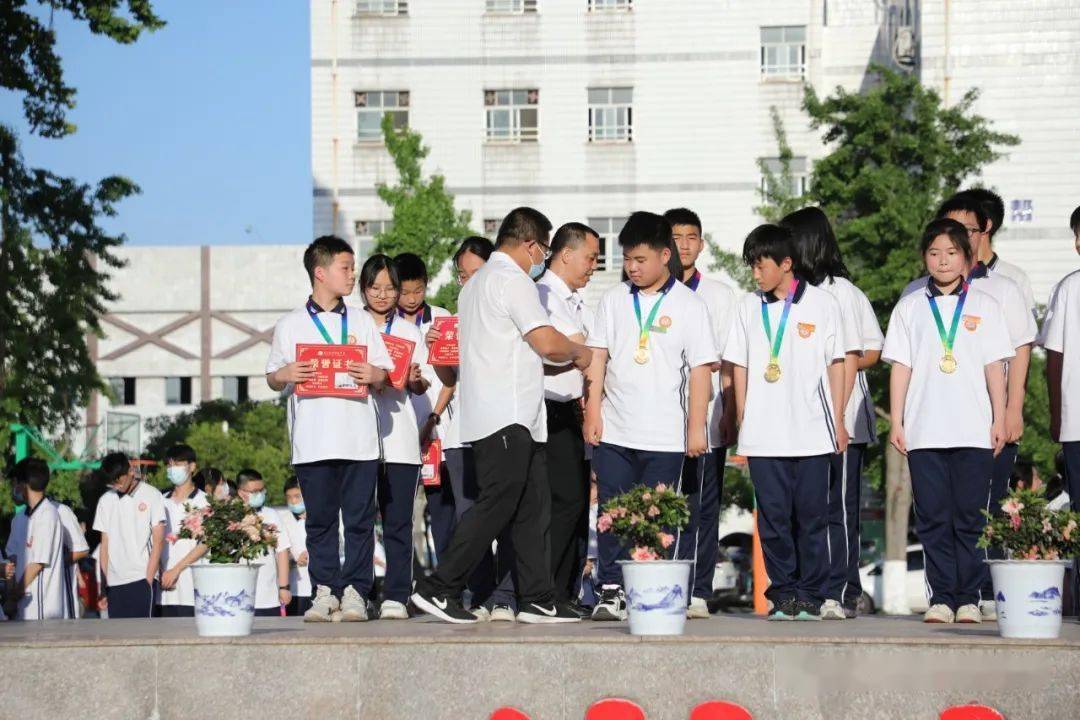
(176, 595)
(994, 208)
(272, 594)
(787, 346)
(293, 522)
(647, 389)
(131, 519)
(335, 441)
(41, 584)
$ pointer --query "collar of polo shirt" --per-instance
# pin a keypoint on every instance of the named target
(30, 510)
(980, 270)
(634, 289)
(339, 308)
(172, 494)
(935, 291)
(552, 279)
(993, 261)
(771, 297)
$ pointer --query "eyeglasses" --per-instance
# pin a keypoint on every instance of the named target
(545, 251)
(381, 292)
(973, 230)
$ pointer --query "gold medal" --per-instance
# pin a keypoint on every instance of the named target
(641, 355)
(772, 372)
(947, 364)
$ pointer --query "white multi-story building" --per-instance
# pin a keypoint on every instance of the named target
(591, 109)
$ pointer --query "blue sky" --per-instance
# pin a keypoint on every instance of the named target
(210, 116)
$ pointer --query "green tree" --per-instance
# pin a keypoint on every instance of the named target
(54, 256)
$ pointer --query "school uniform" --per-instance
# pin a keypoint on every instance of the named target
(335, 446)
(947, 420)
(299, 577)
(1061, 334)
(568, 470)
(74, 542)
(845, 478)
(996, 265)
(48, 596)
(267, 600)
(703, 477)
(645, 408)
(128, 521)
(788, 432)
(180, 601)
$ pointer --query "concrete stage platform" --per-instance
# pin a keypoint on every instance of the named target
(873, 667)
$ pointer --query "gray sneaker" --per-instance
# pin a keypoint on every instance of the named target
(353, 607)
(322, 607)
(831, 610)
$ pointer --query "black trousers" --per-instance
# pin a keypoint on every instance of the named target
(703, 484)
(568, 475)
(174, 611)
(131, 600)
(845, 483)
(511, 474)
(461, 468)
(999, 488)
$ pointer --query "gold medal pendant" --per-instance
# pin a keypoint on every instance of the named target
(947, 364)
(772, 372)
(641, 356)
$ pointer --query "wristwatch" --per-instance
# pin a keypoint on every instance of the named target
(282, 587)
(437, 416)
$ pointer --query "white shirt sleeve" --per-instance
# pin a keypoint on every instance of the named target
(737, 347)
(701, 345)
(282, 352)
(271, 517)
(72, 531)
(40, 535)
(848, 316)
(841, 332)
(1053, 329)
(101, 514)
(522, 304)
(869, 329)
(1021, 323)
(994, 339)
(157, 510)
(897, 347)
(600, 331)
(377, 354)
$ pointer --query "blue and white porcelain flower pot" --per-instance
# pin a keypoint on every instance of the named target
(1028, 595)
(656, 595)
(224, 598)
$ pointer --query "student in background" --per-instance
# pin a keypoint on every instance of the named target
(272, 594)
(41, 583)
(994, 208)
(293, 523)
(212, 482)
(176, 594)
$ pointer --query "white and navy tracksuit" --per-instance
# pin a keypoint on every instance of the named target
(947, 421)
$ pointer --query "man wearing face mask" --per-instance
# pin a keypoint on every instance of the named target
(176, 594)
(295, 526)
(272, 594)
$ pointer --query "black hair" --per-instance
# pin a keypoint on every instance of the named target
(522, 225)
(963, 202)
(771, 241)
(653, 231)
(1074, 221)
(570, 235)
(247, 475)
(683, 216)
(292, 482)
(481, 247)
(322, 251)
(992, 205)
(957, 233)
(114, 466)
(817, 252)
(208, 478)
(410, 267)
(373, 265)
(181, 452)
(32, 472)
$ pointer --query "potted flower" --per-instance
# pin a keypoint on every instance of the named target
(1038, 543)
(646, 520)
(234, 535)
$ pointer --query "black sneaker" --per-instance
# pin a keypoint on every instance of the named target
(444, 607)
(851, 609)
(546, 613)
(784, 610)
(806, 610)
(611, 604)
(578, 609)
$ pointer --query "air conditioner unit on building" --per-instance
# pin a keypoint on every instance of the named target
(904, 46)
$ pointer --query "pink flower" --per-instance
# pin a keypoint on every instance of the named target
(1036, 484)
(1051, 555)
(646, 496)
(661, 488)
(170, 538)
(653, 511)
(193, 524)
(603, 523)
(253, 533)
(1012, 506)
(643, 553)
(636, 518)
(1046, 526)
(1069, 529)
(665, 539)
(1014, 520)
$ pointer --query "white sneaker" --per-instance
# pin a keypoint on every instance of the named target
(832, 610)
(481, 613)
(503, 613)
(353, 607)
(322, 607)
(938, 614)
(968, 614)
(393, 610)
(698, 609)
(988, 608)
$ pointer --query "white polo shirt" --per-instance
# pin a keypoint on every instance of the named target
(177, 548)
(646, 406)
(128, 522)
(860, 322)
(296, 529)
(266, 584)
(398, 428)
(567, 311)
(47, 596)
(720, 301)
(1018, 276)
(792, 417)
(502, 378)
(74, 541)
(329, 428)
(947, 410)
(424, 405)
(1061, 333)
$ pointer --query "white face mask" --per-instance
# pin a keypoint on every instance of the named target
(221, 492)
(256, 499)
(177, 474)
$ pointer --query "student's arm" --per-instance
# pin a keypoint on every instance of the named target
(697, 440)
(78, 555)
(738, 382)
(103, 571)
(869, 359)
(1054, 365)
(552, 370)
(418, 384)
(284, 595)
(838, 389)
(1015, 391)
(727, 391)
(30, 574)
(170, 576)
(851, 371)
(593, 427)
(157, 544)
(291, 374)
(367, 374)
(446, 394)
(899, 379)
(555, 347)
(995, 383)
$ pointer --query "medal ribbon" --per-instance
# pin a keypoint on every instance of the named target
(643, 337)
(313, 313)
(774, 343)
(389, 323)
(947, 339)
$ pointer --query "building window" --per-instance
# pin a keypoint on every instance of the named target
(512, 115)
(783, 52)
(491, 227)
(609, 229)
(234, 389)
(178, 391)
(372, 105)
(382, 7)
(797, 169)
(610, 5)
(610, 114)
(510, 7)
(367, 232)
(123, 390)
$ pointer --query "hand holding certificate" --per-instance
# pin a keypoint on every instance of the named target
(401, 352)
(444, 351)
(432, 461)
(332, 364)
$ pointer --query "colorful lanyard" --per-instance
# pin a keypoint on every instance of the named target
(389, 323)
(692, 283)
(419, 316)
(948, 339)
(643, 329)
(774, 342)
(313, 313)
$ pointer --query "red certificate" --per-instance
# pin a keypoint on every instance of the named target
(401, 351)
(332, 377)
(432, 460)
(444, 351)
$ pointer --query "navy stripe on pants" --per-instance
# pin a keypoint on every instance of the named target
(618, 469)
(397, 494)
(703, 485)
(999, 488)
(793, 502)
(950, 488)
(845, 492)
(347, 487)
(131, 600)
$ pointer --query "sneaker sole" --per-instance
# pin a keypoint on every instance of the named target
(936, 621)
(503, 618)
(352, 617)
(832, 616)
(530, 619)
(781, 617)
(393, 616)
(698, 615)
(605, 615)
(318, 617)
(432, 609)
(967, 622)
(807, 617)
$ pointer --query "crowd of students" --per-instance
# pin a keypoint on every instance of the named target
(555, 408)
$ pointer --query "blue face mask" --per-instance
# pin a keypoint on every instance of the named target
(20, 508)
(256, 499)
(297, 509)
(536, 270)
(18, 498)
(177, 474)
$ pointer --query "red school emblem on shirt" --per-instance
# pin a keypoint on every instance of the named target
(806, 330)
(971, 322)
(142, 507)
(351, 339)
(665, 321)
